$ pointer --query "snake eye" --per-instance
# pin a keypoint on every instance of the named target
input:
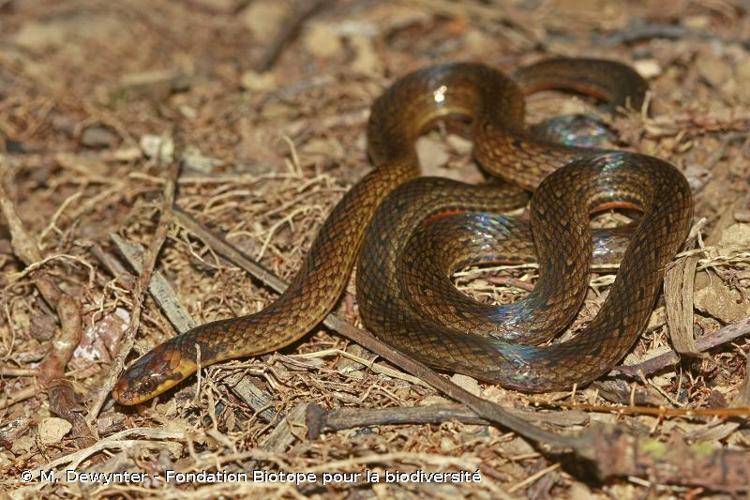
(153, 373)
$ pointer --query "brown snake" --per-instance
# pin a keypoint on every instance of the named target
(411, 218)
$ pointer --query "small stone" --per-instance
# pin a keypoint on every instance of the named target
(648, 68)
(579, 491)
(697, 176)
(264, 17)
(721, 302)
(446, 445)
(196, 160)
(258, 82)
(433, 400)
(431, 153)
(22, 445)
(714, 70)
(366, 60)
(98, 137)
(156, 85)
(158, 147)
(477, 42)
(742, 215)
(459, 144)
(700, 22)
(735, 235)
(467, 383)
(321, 40)
(40, 35)
(52, 429)
(329, 148)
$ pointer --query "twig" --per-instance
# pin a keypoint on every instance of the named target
(639, 31)
(617, 453)
(9, 371)
(719, 337)
(141, 286)
(533, 477)
(289, 30)
(155, 437)
(18, 396)
(290, 426)
(159, 286)
(319, 420)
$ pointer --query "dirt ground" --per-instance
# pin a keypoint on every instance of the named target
(266, 102)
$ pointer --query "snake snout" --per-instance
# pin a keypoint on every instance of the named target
(155, 372)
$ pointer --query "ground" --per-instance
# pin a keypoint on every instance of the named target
(266, 103)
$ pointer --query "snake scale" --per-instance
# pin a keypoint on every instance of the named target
(413, 232)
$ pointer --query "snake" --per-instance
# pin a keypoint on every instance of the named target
(407, 234)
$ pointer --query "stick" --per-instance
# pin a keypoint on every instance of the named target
(719, 337)
(288, 31)
(139, 293)
(319, 420)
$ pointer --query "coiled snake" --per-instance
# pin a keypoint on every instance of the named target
(416, 231)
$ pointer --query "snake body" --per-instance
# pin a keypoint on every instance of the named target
(410, 215)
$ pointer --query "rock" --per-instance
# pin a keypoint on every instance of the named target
(714, 70)
(434, 400)
(431, 153)
(697, 22)
(99, 137)
(697, 176)
(366, 60)
(67, 31)
(156, 85)
(264, 17)
(52, 429)
(467, 383)
(735, 235)
(459, 144)
(579, 491)
(721, 302)
(321, 40)
(258, 82)
(330, 148)
(477, 42)
(156, 146)
(196, 160)
(742, 215)
(647, 68)
(22, 445)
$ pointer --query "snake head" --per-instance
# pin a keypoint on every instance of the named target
(153, 373)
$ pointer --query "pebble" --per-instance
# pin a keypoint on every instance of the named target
(258, 82)
(713, 69)
(98, 137)
(156, 146)
(467, 383)
(52, 429)
(264, 17)
(321, 40)
(647, 68)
